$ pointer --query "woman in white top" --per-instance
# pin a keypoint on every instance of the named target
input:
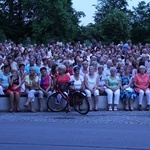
(84, 69)
(91, 84)
(77, 78)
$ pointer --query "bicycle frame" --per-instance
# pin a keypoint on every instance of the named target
(73, 98)
(65, 97)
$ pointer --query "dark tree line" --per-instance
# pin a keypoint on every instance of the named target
(38, 21)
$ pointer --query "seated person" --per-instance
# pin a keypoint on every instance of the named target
(32, 86)
(14, 91)
(91, 87)
(44, 86)
(77, 78)
(4, 84)
(102, 79)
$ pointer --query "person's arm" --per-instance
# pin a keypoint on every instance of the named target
(107, 84)
(82, 84)
(40, 88)
(48, 88)
(10, 81)
(118, 85)
(130, 82)
(121, 86)
(0, 82)
(97, 82)
(128, 85)
(18, 86)
(86, 83)
(23, 78)
(35, 84)
(27, 85)
(135, 82)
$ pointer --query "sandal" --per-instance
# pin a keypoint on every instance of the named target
(140, 108)
(115, 108)
(33, 110)
(131, 108)
(68, 110)
(26, 105)
(126, 107)
(110, 108)
(41, 109)
(18, 109)
(11, 109)
(148, 107)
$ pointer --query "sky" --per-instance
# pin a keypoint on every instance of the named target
(87, 7)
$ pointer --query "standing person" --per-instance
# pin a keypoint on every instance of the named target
(14, 91)
(141, 82)
(4, 84)
(44, 86)
(127, 92)
(91, 85)
(32, 86)
(113, 88)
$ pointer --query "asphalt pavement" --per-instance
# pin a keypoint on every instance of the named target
(101, 130)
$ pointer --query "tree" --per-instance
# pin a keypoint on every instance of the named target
(40, 20)
(11, 20)
(140, 23)
(106, 6)
(55, 19)
(90, 32)
(115, 26)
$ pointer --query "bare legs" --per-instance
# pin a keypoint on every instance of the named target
(41, 104)
(11, 97)
(31, 102)
(14, 97)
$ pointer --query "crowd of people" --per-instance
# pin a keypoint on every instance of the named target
(122, 71)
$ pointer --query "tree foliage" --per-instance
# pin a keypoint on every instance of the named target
(141, 23)
(115, 26)
(112, 19)
(106, 6)
(39, 19)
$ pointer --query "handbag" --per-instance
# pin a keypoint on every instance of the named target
(129, 89)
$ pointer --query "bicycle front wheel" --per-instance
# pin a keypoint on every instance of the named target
(80, 103)
(56, 103)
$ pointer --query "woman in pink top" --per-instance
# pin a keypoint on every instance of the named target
(141, 82)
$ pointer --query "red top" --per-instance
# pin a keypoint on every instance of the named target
(141, 81)
(63, 79)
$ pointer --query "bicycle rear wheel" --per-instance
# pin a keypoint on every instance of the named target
(56, 103)
(80, 103)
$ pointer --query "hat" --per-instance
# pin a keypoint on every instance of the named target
(63, 67)
(142, 67)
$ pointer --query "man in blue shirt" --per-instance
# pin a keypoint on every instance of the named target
(127, 48)
(32, 64)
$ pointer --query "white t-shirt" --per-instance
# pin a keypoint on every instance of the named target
(77, 83)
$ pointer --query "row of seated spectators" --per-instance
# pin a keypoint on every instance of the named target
(120, 70)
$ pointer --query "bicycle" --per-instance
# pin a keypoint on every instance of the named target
(60, 100)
